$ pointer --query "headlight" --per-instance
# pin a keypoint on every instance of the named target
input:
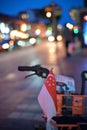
(51, 38)
(5, 46)
(32, 41)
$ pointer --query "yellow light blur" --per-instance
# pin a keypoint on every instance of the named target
(52, 47)
(11, 42)
(18, 34)
(75, 27)
(13, 34)
(24, 16)
(59, 37)
(23, 27)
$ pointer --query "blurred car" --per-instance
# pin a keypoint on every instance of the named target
(26, 42)
(8, 45)
(33, 40)
(4, 45)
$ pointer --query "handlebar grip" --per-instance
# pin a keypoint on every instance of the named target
(24, 68)
(40, 71)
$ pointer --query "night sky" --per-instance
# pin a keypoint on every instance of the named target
(13, 7)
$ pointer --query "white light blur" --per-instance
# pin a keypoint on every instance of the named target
(32, 40)
(59, 26)
(48, 14)
(29, 27)
(48, 32)
(7, 30)
(2, 25)
(38, 31)
(69, 25)
(51, 38)
(4, 28)
(21, 43)
(5, 46)
(3, 36)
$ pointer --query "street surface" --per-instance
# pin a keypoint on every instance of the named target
(19, 108)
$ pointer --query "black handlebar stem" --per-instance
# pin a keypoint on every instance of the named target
(40, 71)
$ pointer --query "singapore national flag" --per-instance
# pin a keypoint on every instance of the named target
(47, 96)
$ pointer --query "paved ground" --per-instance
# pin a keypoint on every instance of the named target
(71, 66)
(20, 124)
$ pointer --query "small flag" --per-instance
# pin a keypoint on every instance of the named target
(47, 96)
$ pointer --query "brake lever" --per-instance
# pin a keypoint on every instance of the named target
(29, 75)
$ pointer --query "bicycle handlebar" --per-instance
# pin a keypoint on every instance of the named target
(40, 71)
(28, 68)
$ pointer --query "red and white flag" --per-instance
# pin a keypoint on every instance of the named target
(47, 96)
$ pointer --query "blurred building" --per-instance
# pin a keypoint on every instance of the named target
(18, 32)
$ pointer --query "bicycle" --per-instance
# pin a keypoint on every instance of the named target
(68, 102)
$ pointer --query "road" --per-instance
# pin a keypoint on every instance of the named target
(18, 96)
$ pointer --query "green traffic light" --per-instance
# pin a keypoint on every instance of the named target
(76, 31)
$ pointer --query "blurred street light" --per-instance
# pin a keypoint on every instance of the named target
(48, 14)
(23, 27)
(53, 12)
